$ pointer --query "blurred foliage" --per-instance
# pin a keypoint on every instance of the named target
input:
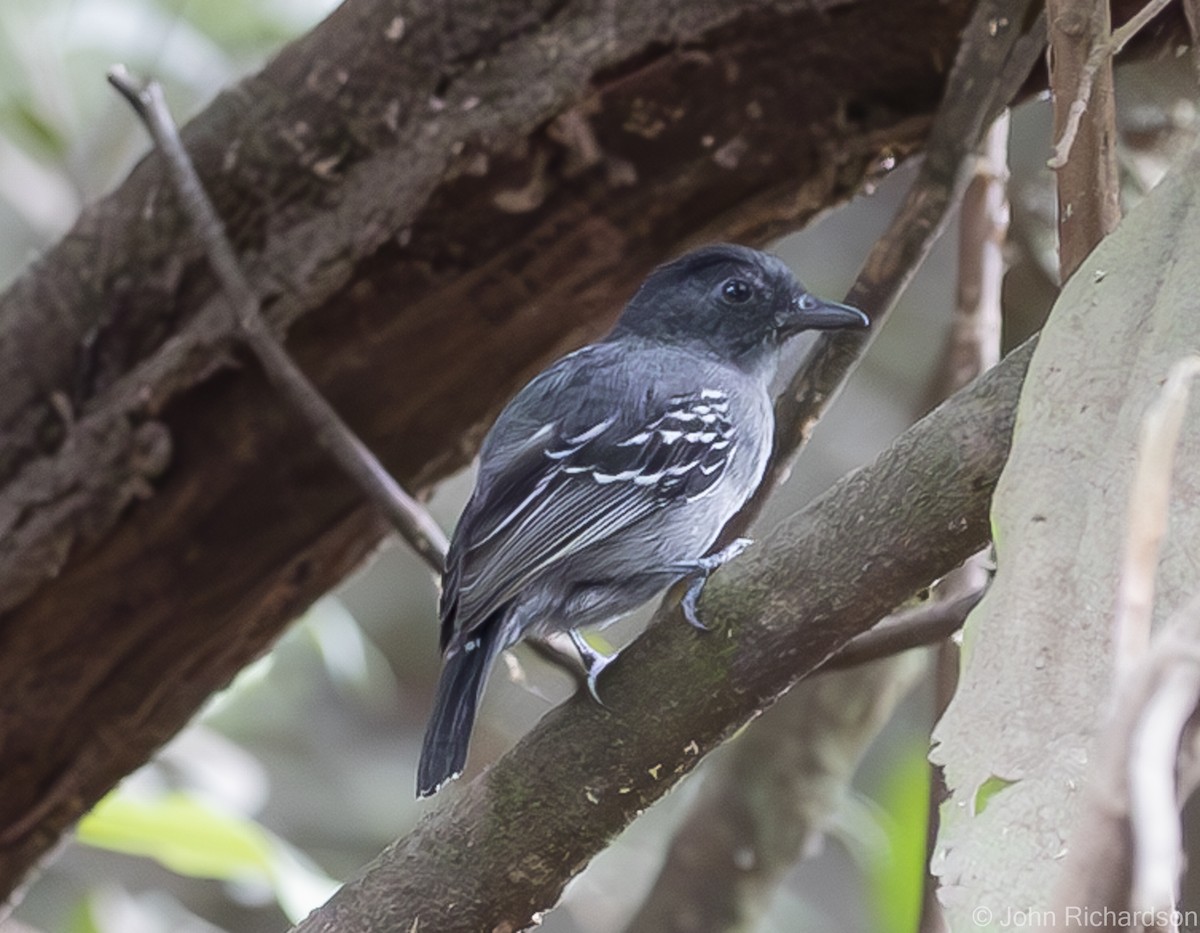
(200, 840)
(896, 877)
(65, 138)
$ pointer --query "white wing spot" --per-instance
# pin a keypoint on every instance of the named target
(542, 432)
(594, 431)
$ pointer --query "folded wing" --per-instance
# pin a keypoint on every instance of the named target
(574, 485)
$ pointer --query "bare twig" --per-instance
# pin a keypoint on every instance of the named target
(1154, 746)
(993, 61)
(926, 624)
(974, 347)
(1154, 803)
(1126, 853)
(1088, 191)
(1191, 12)
(1100, 53)
(409, 517)
(1147, 516)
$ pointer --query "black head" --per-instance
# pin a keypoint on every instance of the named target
(737, 302)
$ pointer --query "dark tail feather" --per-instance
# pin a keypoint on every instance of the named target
(449, 731)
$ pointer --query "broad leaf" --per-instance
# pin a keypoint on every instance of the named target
(1037, 669)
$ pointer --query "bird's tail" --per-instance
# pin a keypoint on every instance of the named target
(444, 751)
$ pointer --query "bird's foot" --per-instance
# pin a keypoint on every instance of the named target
(593, 662)
(702, 568)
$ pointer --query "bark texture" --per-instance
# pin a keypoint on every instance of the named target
(432, 199)
(1089, 206)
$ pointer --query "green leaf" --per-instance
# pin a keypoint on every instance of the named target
(897, 883)
(19, 120)
(182, 833)
(192, 837)
(989, 789)
(1037, 661)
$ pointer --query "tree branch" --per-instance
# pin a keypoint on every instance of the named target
(538, 815)
(1089, 205)
(973, 348)
(917, 627)
(162, 517)
(769, 798)
(408, 516)
(1101, 53)
(993, 61)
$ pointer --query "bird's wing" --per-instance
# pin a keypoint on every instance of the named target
(576, 483)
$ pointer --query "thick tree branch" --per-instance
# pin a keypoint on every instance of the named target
(410, 519)
(500, 852)
(769, 798)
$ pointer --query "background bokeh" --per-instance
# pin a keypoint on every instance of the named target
(304, 768)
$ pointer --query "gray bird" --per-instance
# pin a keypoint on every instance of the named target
(611, 474)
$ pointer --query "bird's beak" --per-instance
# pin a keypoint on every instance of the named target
(808, 312)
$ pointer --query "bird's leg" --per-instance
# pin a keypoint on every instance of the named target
(593, 661)
(700, 569)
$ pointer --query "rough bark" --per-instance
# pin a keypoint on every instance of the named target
(769, 799)
(1089, 206)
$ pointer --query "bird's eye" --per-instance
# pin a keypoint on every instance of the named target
(736, 291)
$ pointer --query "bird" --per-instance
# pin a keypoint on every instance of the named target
(609, 477)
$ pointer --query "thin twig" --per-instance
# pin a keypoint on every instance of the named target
(993, 61)
(1087, 185)
(409, 517)
(926, 624)
(1096, 58)
(972, 349)
(1154, 804)
(1126, 852)
(1147, 516)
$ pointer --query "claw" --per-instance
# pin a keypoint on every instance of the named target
(691, 596)
(701, 569)
(593, 662)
